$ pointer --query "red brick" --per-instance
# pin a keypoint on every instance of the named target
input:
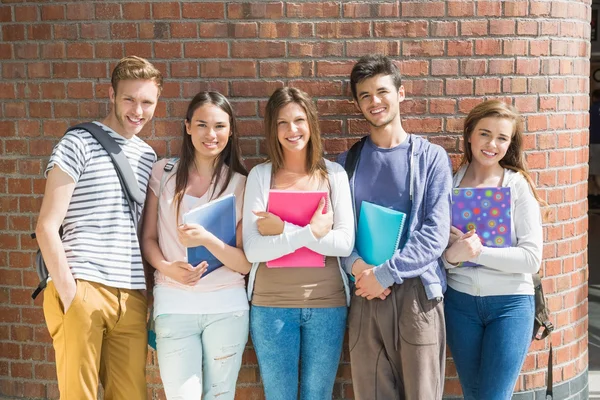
(515, 47)
(286, 69)
(444, 28)
(184, 30)
(414, 68)
(202, 10)
(275, 30)
(489, 8)
(184, 69)
(6, 51)
(65, 31)
(315, 49)
(53, 12)
(459, 87)
(423, 48)
(528, 66)
(14, 71)
(80, 11)
(254, 88)
(53, 50)
(135, 11)
(361, 48)
(13, 32)
(255, 10)
(474, 28)
(488, 47)
(418, 9)
(22, 13)
(473, 67)
(424, 125)
(461, 8)
(65, 70)
(112, 50)
(15, 110)
(26, 50)
(230, 69)
(259, 49)
(95, 31)
(80, 90)
(502, 27)
(364, 10)
(460, 48)
(205, 49)
(80, 50)
(527, 28)
(166, 10)
(108, 11)
(124, 30)
(168, 50)
(484, 86)
(53, 90)
(313, 10)
(319, 88)
(516, 8)
(328, 30)
(39, 32)
(444, 67)
(396, 29)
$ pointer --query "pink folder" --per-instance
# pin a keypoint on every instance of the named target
(296, 207)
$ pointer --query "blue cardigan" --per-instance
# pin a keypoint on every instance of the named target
(429, 221)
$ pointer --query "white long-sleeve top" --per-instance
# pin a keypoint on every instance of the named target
(339, 242)
(505, 270)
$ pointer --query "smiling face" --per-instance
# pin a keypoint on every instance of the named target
(293, 130)
(379, 100)
(209, 129)
(490, 140)
(134, 103)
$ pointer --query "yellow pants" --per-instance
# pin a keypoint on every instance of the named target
(102, 337)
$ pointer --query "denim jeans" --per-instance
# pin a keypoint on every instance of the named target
(200, 355)
(288, 339)
(489, 337)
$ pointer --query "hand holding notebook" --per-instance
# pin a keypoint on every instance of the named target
(217, 217)
(298, 208)
(379, 232)
(485, 210)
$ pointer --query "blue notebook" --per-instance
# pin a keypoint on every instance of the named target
(379, 231)
(217, 217)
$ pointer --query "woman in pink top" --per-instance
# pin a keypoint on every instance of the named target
(201, 322)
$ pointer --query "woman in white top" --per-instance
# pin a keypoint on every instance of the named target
(490, 306)
(298, 314)
(201, 321)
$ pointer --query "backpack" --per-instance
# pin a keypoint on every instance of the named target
(134, 196)
(542, 327)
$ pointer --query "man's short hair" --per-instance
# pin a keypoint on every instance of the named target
(134, 67)
(370, 66)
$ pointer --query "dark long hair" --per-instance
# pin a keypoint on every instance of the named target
(230, 156)
(514, 159)
(314, 155)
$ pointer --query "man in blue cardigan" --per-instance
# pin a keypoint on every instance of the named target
(396, 323)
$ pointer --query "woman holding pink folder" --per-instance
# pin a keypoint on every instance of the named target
(490, 306)
(298, 313)
(201, 322)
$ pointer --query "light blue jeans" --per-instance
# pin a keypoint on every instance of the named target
(288, 339)
(489, 337)
(200, 355)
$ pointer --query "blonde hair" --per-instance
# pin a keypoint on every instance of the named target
(314, 155)
(514, 159)
(134, 67)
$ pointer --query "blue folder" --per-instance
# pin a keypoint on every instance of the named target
(217, 217)
(379, 231)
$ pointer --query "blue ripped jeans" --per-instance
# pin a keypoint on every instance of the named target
(298, 344)
(489, 337)
(200, 355)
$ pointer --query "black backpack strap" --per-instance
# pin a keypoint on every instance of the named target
(114, 150)
(549, 390)
(353, 156)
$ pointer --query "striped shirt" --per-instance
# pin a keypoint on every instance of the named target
(99, 236)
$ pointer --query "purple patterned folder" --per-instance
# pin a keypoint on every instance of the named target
(487, 210)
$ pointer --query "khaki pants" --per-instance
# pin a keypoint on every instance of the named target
(398, 345)
(102, 337)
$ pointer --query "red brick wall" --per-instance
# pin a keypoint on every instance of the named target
(55, 61)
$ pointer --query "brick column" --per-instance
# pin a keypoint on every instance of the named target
(55, 61)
